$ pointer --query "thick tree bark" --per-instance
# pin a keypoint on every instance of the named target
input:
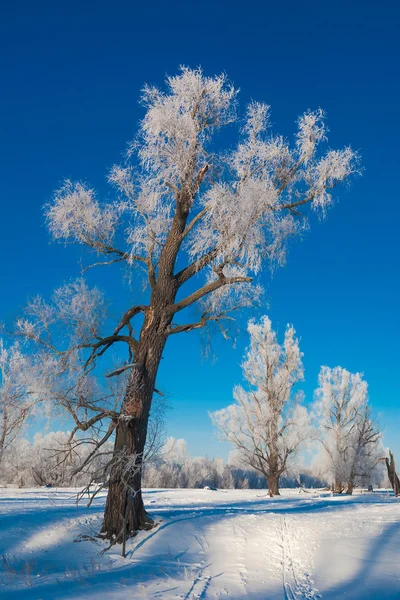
(273, 484)
(125, 513)
(274, 470)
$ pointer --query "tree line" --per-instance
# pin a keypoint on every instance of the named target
(38, 462)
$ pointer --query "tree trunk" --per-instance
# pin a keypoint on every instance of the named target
(391, 469)
(338, 487)
(274, 470)
(273, 484)
(125, 513)
(350, 483)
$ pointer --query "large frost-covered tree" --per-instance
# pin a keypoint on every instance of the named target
(267, 424)
(347, 432)
(201, 223)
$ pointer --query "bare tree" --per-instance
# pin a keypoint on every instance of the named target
(200, 224)
(267, 425)
(348, 435)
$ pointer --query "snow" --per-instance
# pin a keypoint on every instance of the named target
(229, 544)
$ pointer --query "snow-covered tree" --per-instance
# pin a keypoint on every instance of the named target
(200, 223)
(13, 406)
(44, 461)
(175, 450)
(267, 424)
(21, 378)
(349, 437)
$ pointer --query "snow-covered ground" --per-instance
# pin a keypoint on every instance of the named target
(229, 544)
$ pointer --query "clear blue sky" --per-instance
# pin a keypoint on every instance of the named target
(71, 74)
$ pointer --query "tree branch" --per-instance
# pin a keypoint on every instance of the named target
(124, 368)
(196, 266)
(106, 343)
(194, 221)
(103, 262)
(198, 325)
(100, 443)
(207, 289)
(128, 316)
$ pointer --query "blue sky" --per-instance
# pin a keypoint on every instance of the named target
(71, 75)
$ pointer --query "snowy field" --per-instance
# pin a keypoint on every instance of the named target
(229, 544)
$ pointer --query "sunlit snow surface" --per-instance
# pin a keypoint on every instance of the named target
(229, 544)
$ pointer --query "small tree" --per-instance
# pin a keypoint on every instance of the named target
(348, 435)
(267, 425)
(200, 223)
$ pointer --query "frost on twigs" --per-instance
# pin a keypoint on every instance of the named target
(178, 123)
(75, 307)
(75, 215)
(241, 206)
